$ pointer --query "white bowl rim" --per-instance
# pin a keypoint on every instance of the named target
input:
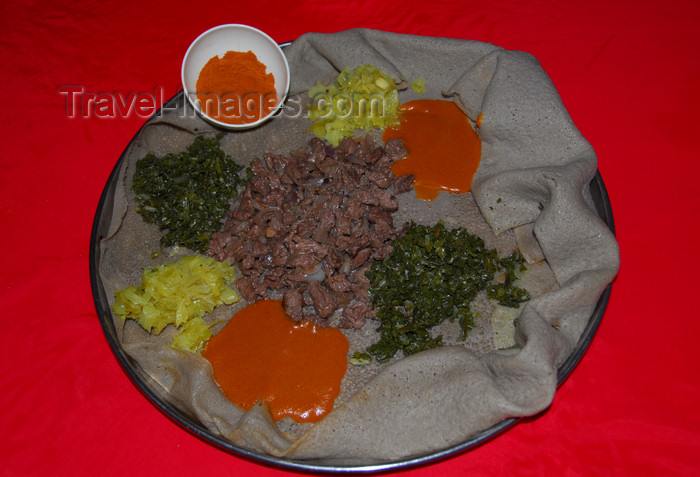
(282, 94)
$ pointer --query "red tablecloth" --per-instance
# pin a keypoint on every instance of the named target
(627, 71)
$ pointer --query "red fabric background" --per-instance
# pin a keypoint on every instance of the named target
(628, 71)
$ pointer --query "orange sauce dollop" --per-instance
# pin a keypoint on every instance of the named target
(444, 151)
(262, 354)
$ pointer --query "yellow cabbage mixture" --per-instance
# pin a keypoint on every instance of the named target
(179, 293)
(364, 98)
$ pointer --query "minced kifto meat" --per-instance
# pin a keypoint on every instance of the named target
(309, 225)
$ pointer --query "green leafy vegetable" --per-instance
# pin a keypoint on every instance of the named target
(187, 194)
(434, 274)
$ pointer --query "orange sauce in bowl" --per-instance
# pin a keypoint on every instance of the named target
(444, 151)
(236, 88)
(263, 355)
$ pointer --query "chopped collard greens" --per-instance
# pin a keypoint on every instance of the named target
(187, 194)
(433, 274)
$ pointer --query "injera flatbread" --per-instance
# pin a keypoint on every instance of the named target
(532, 184)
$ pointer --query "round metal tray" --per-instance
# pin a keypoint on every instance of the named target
(171, 408)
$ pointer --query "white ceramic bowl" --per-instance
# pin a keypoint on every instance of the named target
(233, 37)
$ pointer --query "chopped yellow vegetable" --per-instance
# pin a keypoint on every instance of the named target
(179, 293)
(418, 85)
(364, 98)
